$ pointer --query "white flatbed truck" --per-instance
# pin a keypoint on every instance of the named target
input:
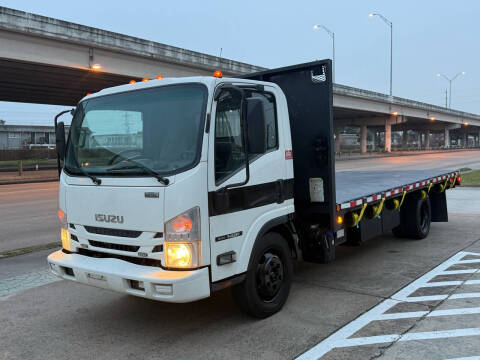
(173, 189)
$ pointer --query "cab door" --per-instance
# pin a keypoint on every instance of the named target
(234, 210)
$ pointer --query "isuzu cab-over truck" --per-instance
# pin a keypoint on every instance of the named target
(173, 189)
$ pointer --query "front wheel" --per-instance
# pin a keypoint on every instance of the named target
(268, 278)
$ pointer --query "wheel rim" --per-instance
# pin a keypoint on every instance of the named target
(425, 218)
(270, 276)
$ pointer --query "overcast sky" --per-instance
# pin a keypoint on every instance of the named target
(428, 37)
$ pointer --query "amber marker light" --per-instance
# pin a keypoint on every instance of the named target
(395, 113)
(182, 224)
(145, 79)
(159, 77)
(132, 82)
(217, 74)
(339, 220)
(96, 67)
(432, 118)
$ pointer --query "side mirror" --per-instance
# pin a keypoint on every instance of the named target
(256, 126)
(60, 139)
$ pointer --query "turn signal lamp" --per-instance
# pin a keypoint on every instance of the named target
(132, 82)
(182, 245)
(159, 77)
(217, 74)
(64, 233)
(339, 220)
(182, 224)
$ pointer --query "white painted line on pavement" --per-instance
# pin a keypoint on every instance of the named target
(458, 272)
(26, 281)
(342, 337)
(466, 358)
(428, 335)
(434, 313)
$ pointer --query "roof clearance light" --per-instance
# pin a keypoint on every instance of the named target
(432, 118)
(217, 74)
(465, 123)
(132, 82)
(96, 67)
(395, 113)
(159, 77)
(88, 94)
(145, 79)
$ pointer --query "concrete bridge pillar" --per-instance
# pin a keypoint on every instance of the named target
(337, 139)
(446, 143)
(464, 138)
(388, 136)
(427, 139)
(404, 139)
(363, 139)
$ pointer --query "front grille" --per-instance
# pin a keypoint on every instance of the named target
(133, 260)
(111, 246)
(113, 232)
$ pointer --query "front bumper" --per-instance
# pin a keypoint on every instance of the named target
(119, 275)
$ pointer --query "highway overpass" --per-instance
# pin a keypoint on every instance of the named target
(49, 61)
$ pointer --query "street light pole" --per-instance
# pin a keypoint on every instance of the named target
(450, 80)
(390, 24)
(332, 35)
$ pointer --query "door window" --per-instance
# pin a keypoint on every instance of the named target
(229, 150)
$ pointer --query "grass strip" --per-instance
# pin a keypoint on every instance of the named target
(471, 178)
(29, 249)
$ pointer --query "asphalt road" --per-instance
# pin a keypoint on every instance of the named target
(28, 215)
(42, 318)
(28, 211)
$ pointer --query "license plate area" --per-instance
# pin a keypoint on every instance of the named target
(96, 277)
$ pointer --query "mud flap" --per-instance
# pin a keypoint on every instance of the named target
(438, 202)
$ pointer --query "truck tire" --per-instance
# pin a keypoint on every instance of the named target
(268, 278)
(415, 218)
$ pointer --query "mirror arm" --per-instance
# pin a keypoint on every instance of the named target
(59, 167)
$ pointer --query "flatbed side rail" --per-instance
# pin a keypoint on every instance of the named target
(446, 181)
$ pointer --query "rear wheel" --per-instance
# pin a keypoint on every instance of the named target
(268, 278)
(415, 218)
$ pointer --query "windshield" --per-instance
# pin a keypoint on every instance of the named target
(130, 133)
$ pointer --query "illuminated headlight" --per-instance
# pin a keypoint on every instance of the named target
(64, 233)
(182, 244)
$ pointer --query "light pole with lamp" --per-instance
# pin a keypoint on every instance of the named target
(450, 80)
(389, 23)
(332, 35)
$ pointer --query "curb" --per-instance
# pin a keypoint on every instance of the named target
(27, 181)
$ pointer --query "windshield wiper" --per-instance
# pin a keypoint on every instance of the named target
(95, 179)
(151, 172)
